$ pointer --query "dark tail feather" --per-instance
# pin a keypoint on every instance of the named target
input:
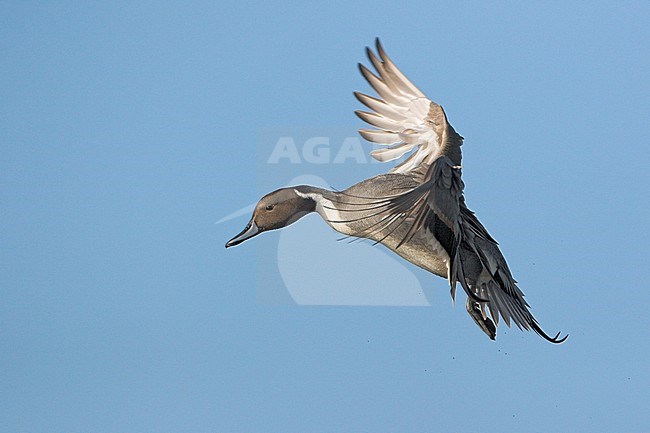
(545, 336)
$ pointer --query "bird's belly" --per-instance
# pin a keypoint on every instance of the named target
(423, 251)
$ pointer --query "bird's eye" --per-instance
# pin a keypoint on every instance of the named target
(270, 207)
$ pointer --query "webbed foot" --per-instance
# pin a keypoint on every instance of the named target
(480, 318)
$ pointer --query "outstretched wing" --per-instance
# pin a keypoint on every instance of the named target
(407, 121)
(404, 119)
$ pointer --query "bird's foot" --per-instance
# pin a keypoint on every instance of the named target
(480, 318)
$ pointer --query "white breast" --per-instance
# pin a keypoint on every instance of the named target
(328, 212)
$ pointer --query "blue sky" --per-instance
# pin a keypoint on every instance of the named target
(128, 128)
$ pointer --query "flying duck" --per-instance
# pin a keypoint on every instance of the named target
(417, 209)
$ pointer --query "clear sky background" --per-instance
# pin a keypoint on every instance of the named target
(128, 128)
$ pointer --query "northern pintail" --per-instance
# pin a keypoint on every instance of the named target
(418, 209)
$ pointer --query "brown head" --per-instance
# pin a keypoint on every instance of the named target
(276, 210)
